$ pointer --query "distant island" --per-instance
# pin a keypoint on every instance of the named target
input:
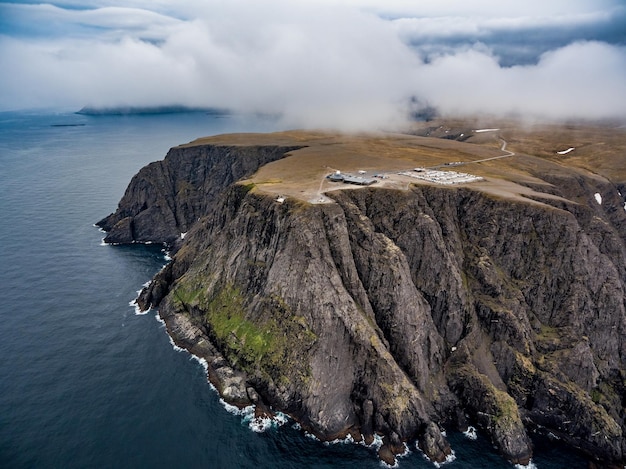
(479, 282)
(133, 110)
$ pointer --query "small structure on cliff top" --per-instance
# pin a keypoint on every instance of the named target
(349, 179)
(336, 177)
(359, 180)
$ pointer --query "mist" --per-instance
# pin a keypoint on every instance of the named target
(362, 65)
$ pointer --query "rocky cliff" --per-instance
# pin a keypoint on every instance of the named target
(167, 197)
(397, 312)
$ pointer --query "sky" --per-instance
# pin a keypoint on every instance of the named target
(358, 64)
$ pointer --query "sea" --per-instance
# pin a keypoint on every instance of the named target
(85, 381)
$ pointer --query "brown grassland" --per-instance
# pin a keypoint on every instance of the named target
(598, 148)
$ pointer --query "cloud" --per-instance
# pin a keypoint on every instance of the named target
(582, 80)
(315, 63)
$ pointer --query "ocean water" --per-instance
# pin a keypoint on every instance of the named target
(84, 381)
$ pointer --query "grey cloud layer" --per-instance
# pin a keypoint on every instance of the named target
(317, 64)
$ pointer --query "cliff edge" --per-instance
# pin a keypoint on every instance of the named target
(397, 309)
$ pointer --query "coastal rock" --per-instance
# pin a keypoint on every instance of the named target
(167, 197)
(433, 442)
(395, 311)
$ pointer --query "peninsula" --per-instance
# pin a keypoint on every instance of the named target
(476, 277)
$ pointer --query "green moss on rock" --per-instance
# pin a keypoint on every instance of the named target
(257, 343)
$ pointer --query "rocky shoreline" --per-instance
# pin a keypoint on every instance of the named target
(394, 312)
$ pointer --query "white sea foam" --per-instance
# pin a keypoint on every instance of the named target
(261, 424)
(485, 130)
(180, 349)
(470, 433)
(200, 360)
(347, 440)
(530, 465)
(406, 451)
(231, 409)
(565, 152)
(598, 198)
(256, 424)
(395, 464)
(449, 458)
(160, 320)
(138, 311)
(377, 443)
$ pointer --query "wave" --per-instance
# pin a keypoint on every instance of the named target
(138, 311)
(449, 458)
(530, 465)
(394, 466)
(470, 433)
(200, 360)
(256, 424)
(262, 424)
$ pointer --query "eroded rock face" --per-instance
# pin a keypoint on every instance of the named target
(167, 197)
(397, 311)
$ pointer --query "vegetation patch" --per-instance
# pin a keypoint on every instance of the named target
(248, 344)
(271, 342)
(494, 408)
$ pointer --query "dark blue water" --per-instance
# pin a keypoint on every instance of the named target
(84, 381)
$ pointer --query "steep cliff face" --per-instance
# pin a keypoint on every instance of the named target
(395, 312)
(167, 197)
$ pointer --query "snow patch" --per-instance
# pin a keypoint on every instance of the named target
(485, 130)
(565, 152)
(598, 198)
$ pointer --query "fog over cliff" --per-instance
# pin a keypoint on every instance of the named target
(317, 63)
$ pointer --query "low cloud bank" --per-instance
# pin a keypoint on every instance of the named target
(315, 65)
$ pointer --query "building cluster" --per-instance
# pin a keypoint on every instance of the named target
(350, 179)
(425, 174)
(441, 177)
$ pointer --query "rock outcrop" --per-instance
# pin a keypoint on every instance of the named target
(167, 197)
(395, 312)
